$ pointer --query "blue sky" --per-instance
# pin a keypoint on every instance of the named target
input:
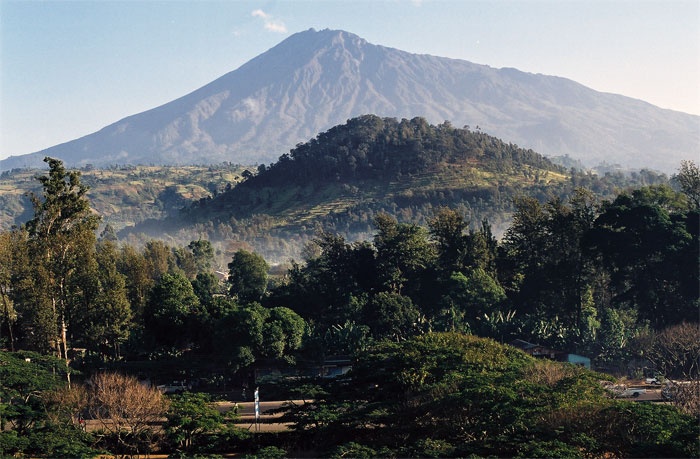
(69, 68)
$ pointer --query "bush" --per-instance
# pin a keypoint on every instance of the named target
(268, 452)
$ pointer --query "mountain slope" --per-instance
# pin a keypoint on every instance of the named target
(314, 80)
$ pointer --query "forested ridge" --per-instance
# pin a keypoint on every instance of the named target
(420, 310)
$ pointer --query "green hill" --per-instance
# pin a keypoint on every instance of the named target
(382, 159)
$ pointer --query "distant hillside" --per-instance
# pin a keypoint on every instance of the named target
(314, 80)
(123, 196)
(342, 178)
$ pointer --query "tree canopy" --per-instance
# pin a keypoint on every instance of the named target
(455, 395)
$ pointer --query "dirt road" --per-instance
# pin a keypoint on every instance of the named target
(266, 422)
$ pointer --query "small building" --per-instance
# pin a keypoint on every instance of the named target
(539, 351)
(535, 350)
(574, 358)
(335, 366)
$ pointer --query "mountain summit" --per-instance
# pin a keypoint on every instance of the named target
(317, 79)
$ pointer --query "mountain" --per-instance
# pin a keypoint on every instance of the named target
(316, 79)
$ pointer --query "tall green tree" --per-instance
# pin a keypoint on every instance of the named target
(283, 334)
(190, 418)
(331, 288)
(391, 315)
(448, 228)
(688, 178)
(185, 262)
(203, 253)
(247, 276)
(133, 265)
(649, 244)
(206, 286)
(545, 264)
(404, 253)
(8, 316)
(110, 315)
(36, 325)
(172, 310)
(62, 229)
(159, 259)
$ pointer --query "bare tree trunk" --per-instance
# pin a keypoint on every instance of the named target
(65, 347)
(57, 336)
(6, 308)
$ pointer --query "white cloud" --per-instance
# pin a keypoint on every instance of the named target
(276, 26)
(270, 23)
(260, 14)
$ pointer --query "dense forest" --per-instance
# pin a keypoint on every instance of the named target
(421, 309)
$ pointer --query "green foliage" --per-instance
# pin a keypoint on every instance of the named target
(206, 286)
(48, 441)
(688, 178)
(63, 206)
(454, 395)
(346, 339)
(26, 380)
(615, 332)
(448, 229)
(283, 333)
(203, 253)
(654, 431)
(640, 235)
(171, 310)
(60, 239)
(24, 376)
(353, 449)
(614, 280)
(60, 441)
(247, 276)
(11, 261)
(104, 318)
(267, 452)
(477, 293)
(403, 252)
(549, 449)
(391, 315)
(194, 424)
(247, 333)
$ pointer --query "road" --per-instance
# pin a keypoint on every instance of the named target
(246, 414)
(651, 395)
